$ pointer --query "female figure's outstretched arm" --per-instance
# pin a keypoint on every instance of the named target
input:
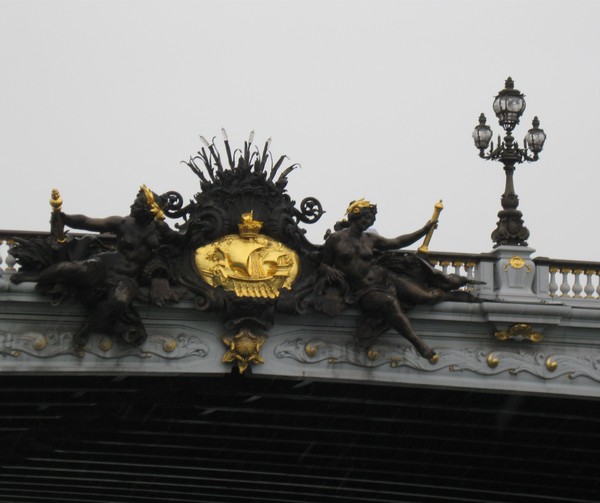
(382, 243)
(82, 222)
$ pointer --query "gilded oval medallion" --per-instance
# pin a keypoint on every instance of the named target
(249, 264)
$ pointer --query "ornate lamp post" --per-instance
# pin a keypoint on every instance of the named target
(508, 106)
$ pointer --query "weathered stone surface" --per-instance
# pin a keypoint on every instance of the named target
(36, 338)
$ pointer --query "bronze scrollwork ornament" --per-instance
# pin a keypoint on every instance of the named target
(239, 251)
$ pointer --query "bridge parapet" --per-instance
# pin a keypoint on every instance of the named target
(519, 335)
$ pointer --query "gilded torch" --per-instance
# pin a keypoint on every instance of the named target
(437, 209)
(57, 227)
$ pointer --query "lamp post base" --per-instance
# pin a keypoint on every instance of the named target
(514, 272)
(510, 229)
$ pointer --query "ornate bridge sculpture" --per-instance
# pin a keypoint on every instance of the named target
(240, 251)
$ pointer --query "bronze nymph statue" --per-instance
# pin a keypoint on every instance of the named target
(108, 282)
(363, 270)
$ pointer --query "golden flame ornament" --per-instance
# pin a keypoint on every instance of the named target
(437, 209)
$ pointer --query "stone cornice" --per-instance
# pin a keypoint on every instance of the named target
(36, 338)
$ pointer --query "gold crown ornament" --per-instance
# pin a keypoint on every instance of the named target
(249, 227)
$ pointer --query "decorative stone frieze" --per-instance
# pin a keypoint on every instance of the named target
(36, 338)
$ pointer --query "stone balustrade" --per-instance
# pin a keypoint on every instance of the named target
(463, 264)
(567, 279)
(534, 328)
(558, 279)
(7, 240)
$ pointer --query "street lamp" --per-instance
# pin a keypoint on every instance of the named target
(508, 106)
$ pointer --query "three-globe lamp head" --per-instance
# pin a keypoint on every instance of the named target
(509, 106)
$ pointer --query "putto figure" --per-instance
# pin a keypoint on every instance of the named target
(107, 282)
(359, 268)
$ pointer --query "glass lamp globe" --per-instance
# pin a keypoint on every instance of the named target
(509, 105)
(535, 137)
(482, 134)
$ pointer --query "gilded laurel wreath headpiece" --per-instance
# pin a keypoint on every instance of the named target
(356, 206)
(155, 208)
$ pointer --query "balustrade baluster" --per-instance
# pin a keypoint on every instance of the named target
(1, 251)
(577, 287)
(10, 260)
(445, 264)
(565, 288)
(457, 265)
(589, 286)
(470, 270)
(553, 285)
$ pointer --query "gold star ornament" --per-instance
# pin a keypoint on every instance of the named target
(243, 349)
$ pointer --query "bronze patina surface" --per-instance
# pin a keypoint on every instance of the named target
(239, 251)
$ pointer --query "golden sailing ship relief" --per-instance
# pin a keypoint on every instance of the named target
(251, 264)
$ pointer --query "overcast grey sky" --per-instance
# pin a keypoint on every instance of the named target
(374, 99)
